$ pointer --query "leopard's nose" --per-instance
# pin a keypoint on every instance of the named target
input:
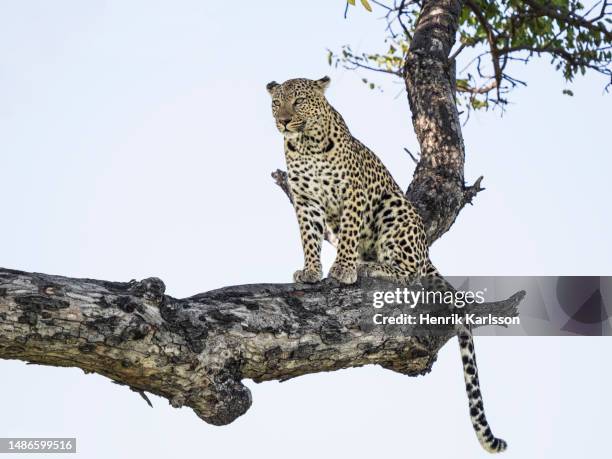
(284, 121)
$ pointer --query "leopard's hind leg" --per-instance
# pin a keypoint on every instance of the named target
(400, 246)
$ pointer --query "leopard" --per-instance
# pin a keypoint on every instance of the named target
(340, 188)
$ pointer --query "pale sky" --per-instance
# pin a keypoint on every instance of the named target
(136, 140)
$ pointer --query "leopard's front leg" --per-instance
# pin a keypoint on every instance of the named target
(311, 219)
(344, 268)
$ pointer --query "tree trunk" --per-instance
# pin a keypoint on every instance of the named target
(437, 188)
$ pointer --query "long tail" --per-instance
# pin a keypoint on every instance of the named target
(470, 373)
(472, 387)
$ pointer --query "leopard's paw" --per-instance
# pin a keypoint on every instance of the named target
(375, 270)
(366, 269)
(307, 276)
(343, 274)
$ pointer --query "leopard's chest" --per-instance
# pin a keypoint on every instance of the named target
(316, 178)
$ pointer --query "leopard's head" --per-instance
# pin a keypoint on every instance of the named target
(299, 106)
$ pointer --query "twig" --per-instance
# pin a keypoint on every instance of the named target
(416, 161)
(471, 191)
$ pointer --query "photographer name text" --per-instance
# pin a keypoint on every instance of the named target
(435, 320)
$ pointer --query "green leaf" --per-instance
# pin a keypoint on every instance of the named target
(478, 104)
(568, 92)
(365, 4)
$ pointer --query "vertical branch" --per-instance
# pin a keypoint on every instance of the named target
(437, 187)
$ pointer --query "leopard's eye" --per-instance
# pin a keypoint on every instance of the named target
(298, 101)
(275, 103)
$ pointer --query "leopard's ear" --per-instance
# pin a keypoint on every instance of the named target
(323, 83)
(271, 85)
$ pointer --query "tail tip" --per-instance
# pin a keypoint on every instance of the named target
(496, 445)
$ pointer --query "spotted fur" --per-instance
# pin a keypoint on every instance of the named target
(339, 185)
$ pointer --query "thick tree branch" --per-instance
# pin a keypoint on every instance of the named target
(196, 351)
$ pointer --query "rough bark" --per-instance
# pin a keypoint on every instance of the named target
(437, 188)
(196, 351)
